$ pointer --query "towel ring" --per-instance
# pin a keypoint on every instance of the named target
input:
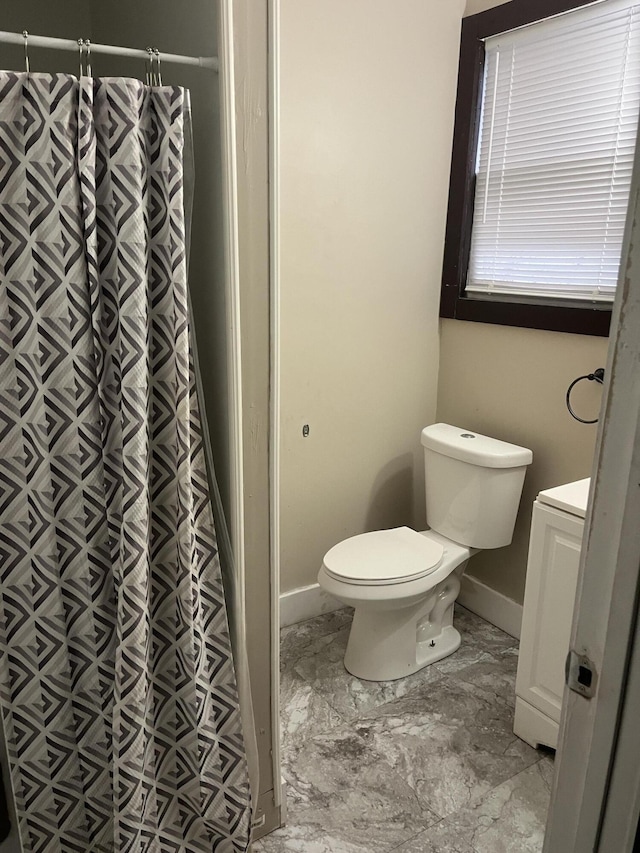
(598, 376)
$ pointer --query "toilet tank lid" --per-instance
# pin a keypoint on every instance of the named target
(470, 446)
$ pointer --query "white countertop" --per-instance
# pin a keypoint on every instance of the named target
(572, 497)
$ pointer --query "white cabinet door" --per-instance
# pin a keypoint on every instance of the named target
(552, 575)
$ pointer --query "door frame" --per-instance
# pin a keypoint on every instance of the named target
(244, 96)
(273, 14)
(595, 802)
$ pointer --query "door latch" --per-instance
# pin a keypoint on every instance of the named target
(580, 674)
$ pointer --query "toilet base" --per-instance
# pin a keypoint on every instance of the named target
(385, 645)
(445, 644)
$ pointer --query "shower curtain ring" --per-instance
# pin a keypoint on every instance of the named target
(87, 45)
(149, 66)
(156, 53)
(80, 49)
(25, 36)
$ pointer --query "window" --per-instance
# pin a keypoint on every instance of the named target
(546, 124)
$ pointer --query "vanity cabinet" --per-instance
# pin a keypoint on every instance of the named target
(552, 575)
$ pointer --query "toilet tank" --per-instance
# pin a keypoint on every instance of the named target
(473, 485)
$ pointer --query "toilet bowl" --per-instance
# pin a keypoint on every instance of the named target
(403, 618)
(403, 583)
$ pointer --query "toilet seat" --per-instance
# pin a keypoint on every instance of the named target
(390, 556)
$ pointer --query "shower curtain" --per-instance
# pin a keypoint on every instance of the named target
(117, 686)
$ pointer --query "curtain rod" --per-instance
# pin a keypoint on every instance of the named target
(70, 44)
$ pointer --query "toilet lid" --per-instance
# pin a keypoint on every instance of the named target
(385, 556)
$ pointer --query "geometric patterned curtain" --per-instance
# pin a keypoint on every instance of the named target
(117, 685)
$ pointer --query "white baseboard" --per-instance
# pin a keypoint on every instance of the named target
(491, 606)
(303, 603)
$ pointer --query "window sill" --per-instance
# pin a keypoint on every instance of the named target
(591, 319)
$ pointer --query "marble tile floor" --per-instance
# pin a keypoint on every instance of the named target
(425, 764)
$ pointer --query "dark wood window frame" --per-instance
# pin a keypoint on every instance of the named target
(585, 318)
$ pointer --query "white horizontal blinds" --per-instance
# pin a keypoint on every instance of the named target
(558, 130)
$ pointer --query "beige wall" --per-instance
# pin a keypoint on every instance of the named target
(364, 165)
(475, 6)
(511, 383)
(366, 117)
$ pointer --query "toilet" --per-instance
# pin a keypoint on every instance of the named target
(403, 583)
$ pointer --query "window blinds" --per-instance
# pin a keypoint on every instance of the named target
(558, 130)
